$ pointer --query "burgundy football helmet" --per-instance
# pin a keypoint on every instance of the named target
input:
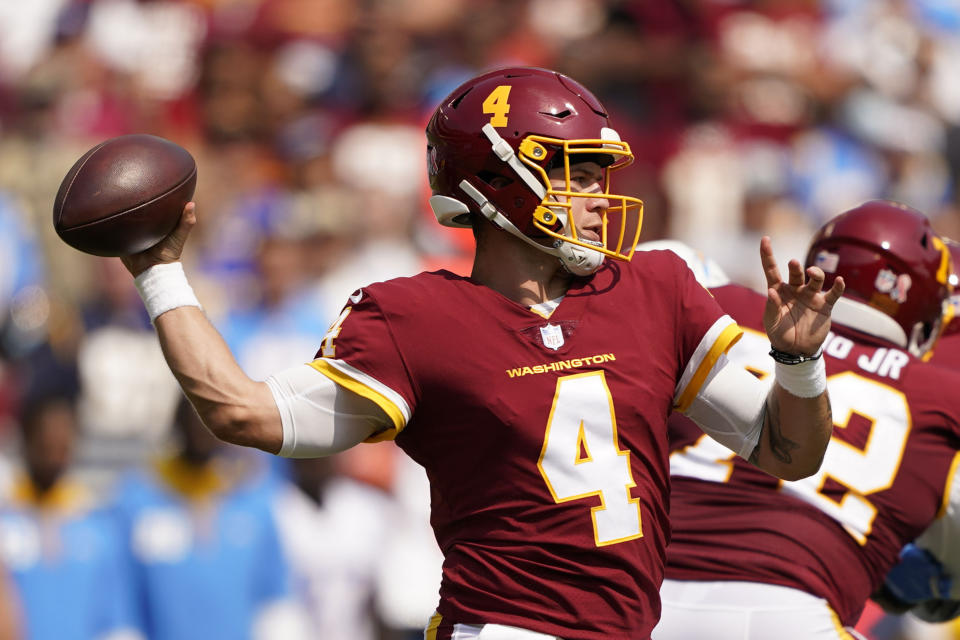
(491, 143)
(891, 260)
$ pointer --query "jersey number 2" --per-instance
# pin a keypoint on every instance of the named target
(883, 424)
(581, 457)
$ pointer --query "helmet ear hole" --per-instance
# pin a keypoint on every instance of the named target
(495, 180)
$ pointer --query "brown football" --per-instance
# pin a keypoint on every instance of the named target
(124, 195)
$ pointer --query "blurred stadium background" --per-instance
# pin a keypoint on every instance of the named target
(306, 120)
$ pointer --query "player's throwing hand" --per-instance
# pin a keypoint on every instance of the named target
(797, 315)
(168, 249)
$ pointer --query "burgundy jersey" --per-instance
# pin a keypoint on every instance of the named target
(946, 352)
(544, 439)
(835, 534)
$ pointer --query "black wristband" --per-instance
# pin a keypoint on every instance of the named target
(793, 358)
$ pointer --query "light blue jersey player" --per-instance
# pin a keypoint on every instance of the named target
(62, 551)
(204, 548)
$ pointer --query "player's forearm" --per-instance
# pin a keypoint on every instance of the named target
(234, 407)
(795, 434)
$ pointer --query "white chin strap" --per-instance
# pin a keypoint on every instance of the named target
(578, 260)
(919, 346)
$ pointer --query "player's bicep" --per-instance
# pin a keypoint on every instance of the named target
(320, 417)
(731, 406)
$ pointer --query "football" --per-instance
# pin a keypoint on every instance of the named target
(124, 195)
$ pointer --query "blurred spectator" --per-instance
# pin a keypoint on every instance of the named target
(276, 321)
(128, 396)
(24, 303)
(410, 563)
(64, 553)
(356, 528)
(381, 165)
(155, 43)
(25, 306)
(334, 529)
(278, 324)
(203, 546)
(9, 608)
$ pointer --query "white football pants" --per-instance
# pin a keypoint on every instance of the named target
(494, 632)
(726, 610)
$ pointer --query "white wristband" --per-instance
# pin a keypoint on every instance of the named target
(805, 380)
(164, 287)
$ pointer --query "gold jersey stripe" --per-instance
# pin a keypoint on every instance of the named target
(945, 501)
(728, 337)
(430, 633)
(842, 632)
(393, 412)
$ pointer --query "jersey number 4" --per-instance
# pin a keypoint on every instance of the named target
(581, 457)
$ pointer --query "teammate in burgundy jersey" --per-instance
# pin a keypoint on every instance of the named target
(926, 580)
(536, 391)
(809, 553)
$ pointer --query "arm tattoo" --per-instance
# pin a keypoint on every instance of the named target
(780, 446)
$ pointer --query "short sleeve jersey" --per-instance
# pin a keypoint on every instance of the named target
(835, 534)
(544, 439)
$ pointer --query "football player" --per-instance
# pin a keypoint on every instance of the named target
(536, 391)
(754, 557)
(924, 581)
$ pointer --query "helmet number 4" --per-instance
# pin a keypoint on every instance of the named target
(497, 105)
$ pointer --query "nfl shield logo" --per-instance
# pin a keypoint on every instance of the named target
(552, 336)
(827, 261)
(886, 281)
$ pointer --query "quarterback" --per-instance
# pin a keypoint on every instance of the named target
(535, 392)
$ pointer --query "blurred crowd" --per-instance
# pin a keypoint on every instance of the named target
(306, 120)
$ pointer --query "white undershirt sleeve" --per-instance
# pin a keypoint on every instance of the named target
(320, 417)
(730, 407)
(942, 537)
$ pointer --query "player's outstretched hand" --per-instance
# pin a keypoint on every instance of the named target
(168, 249)
(797, 315)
